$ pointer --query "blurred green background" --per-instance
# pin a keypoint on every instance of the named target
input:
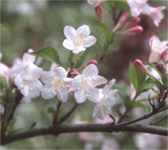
(38, 24)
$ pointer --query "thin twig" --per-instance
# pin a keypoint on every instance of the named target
(55, 120)
(143, 117)
(68, 114)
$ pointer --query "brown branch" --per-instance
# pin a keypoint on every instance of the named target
(85, 128)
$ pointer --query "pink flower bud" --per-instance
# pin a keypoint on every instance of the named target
(140, 65)
(99, 11)
(164, 55)
(160, 67)
(133, 22)
(135, 29)
(73, 72)
(92, 61)
(123, 17)
(122, 20)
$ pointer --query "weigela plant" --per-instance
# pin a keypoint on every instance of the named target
(81, 81)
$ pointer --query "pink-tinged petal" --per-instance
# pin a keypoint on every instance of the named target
(95, 95)
(98, 80)
(154, 43)
(90, 70)
(104, 120)
(154, 74)
(28, 58)
(60, 72)
(154, 57)
(80, 96)
(89, 41)
(68, 44)
(47, 92)
(156, 14)
(63, 95)
(70, 32)
(78, 49)
(83, 30)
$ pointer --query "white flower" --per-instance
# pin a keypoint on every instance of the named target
(95, 3)
(78, 40)
(157, 48)
(107, 98)
(55, 83)
(141, 7)
(1, 109)
(85, 83)
(4, 71)
(152, 72)
(26, 75)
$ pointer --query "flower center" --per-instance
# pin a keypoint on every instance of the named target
(58, 83)
(79, 40)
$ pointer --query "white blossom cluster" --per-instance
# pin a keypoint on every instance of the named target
(33, 81)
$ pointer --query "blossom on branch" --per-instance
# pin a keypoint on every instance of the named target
(159, 50)
(55, 83)
(26, 76)
(85, 84)
(139, 7)
(78, 40)
(105, 100)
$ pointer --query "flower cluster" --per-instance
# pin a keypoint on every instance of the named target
(142, 7)
(137, 8)
(33, 81)
(86, 84)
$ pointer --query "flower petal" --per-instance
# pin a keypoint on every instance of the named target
(91, 70)
(28, 58)
(63, 95)
(80, 96)
(83, 30)
(98, 80)
(68, 44)
(70, 32)
(47, 92)
(89, 41)
(60, 72)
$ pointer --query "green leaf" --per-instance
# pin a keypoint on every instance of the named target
(49, 54)
(3, 83)
(136, 77)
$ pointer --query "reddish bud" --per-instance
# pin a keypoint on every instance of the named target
(160, 67)
(92, 61)
(99, 11)
(133, 22)
(135, 29)
(123, 17)
(73, 72)
(164, 55)
(140, 65)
